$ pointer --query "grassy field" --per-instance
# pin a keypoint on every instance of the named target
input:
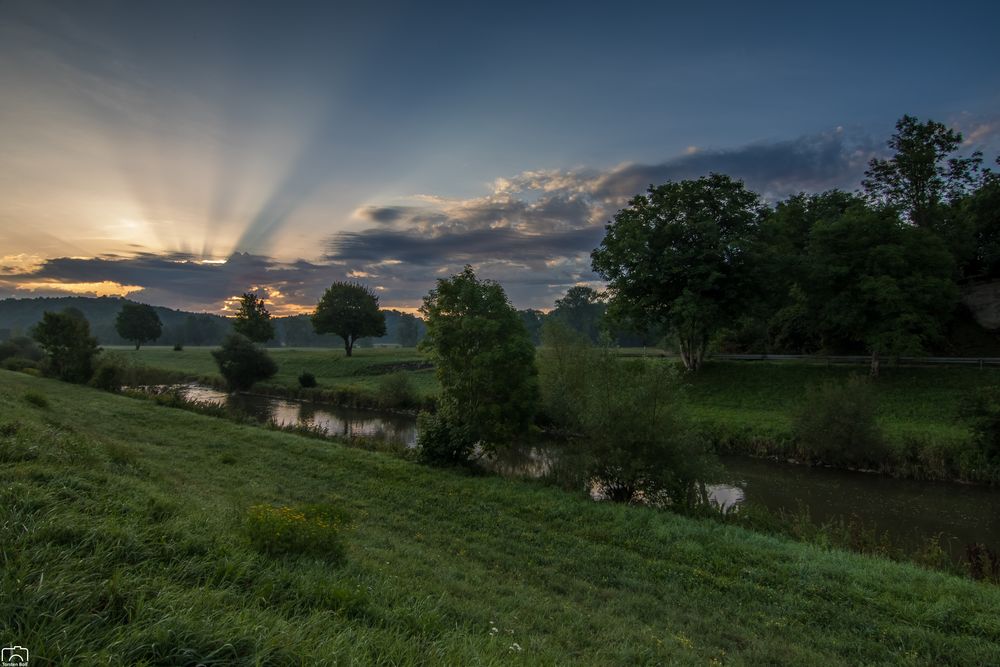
(332, 369)
(124, 543)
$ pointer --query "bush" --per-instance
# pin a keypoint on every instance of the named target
(36, 399)
(242, 363)
(307, 380)
(982, 410)
(69, 347)
(443, 441)
(312, 530)
(395, 390)
(19, 364)
(178, 347)
(20, 347)
(110, 373)
(838, 425)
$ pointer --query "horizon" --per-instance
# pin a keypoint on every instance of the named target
(180, 156)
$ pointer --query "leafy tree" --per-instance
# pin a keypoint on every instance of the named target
(252, 320)
(922, 174)
(67, 342)
(981, 210)
(409, 330)
(679, 256)
(533, 321)
(139, 323)
(242, 363)
(878, 281)
(484, 358)
(351, 311)
(582, 309)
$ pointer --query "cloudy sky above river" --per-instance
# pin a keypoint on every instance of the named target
(181, 153)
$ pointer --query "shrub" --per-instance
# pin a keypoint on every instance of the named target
(982, 410)
(69, 347)
(312, 530)
(242, 363)
(178, 347)
(443, 441)
(109, 375)
(396, 391)
(307, 380)
(19, 364)
(20, 347)
(838, 425)
(36, 399)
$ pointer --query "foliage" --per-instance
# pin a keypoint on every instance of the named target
(349, 310)
(242, 363)
(409, 330)
(307, 379)
(139, 323)
(36, 399)
(483, 357)
(982, 411)
(681, 256)
(878, 281)
(563, 364)
(20, 347)
(109, 374)
(311, 530)
(396, 391)
(838, 425)
(252, 319)
(68, 345)
(981, 211)
(582, 309)
(443, 441)
(178, 347)
(922, 173)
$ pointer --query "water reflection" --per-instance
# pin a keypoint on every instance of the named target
(911, 511)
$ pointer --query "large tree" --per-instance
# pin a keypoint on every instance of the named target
(138, 323)
(679, 256)
(252, 319)
(349, 310)
(582, 309)
(878, 281)
(484, 359)
(923, 173)
(68, 345)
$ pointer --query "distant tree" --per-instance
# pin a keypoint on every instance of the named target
(139, 323)
(533, 320)
(409, 331)
(252, 320)
(68, 345)
(484, 359)
(242, 363)
(922, 174)
(981, 211)
(582, 309)
(880, 282)
(350, 311)
(680, 256)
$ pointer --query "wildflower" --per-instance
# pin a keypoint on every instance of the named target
(515, 647)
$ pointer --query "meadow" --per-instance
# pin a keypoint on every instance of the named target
(132, 535)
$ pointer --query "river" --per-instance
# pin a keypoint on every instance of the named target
(910, 511)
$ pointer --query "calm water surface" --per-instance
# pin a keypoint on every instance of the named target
(909, 510)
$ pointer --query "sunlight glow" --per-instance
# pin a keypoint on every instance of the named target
(103, 288)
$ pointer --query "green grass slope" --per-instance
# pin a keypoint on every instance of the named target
(123, 544)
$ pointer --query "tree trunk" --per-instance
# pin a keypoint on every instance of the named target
(873, 371)
(137, 346)
(348, 344)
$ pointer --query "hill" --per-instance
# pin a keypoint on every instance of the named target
(127, 542)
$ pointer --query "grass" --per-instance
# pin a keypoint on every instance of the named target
(125, 542)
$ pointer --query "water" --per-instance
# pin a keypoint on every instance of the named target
(910, 511)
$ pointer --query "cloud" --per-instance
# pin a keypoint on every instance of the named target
(532, 231)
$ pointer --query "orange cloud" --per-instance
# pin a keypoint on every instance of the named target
(103, 288)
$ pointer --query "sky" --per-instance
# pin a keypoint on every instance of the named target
(180, 153)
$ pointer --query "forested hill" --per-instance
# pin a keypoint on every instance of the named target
(17, 316)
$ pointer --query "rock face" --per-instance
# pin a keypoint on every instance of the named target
(984, 302)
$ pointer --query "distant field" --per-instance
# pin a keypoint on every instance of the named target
(124, 543)
(330, 366)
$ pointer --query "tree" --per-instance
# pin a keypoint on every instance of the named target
(349, 310)
(582, 309)
(484, 359)
(878, 281)
(139, 323)
(252, 320)
(67, 342)
(981, 210)
(921, 175)
(242, 363)
(409, 331)
(679, 256)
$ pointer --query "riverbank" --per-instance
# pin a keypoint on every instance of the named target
(740, 407)
(129, 547)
